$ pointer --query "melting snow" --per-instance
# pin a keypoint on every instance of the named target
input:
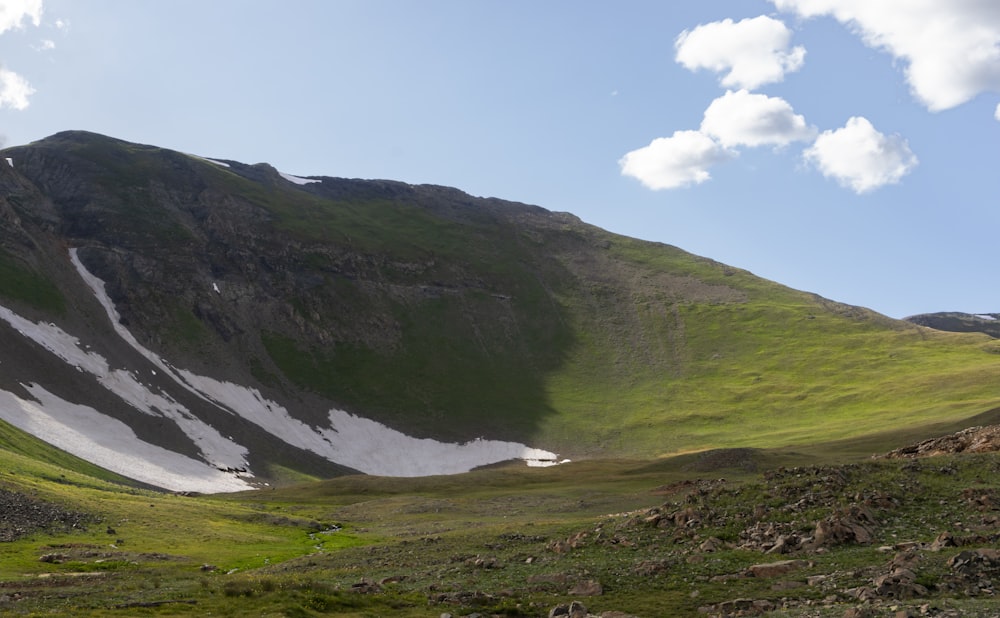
(111, 444)
(10, 161)
(215, 448)
(219, 163)
(350, 440)
(297, 180)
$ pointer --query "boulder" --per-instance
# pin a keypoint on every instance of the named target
(587, 588)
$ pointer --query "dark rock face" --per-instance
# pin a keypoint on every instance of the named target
(988, 323)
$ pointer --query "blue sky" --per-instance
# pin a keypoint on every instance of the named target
(844, 147)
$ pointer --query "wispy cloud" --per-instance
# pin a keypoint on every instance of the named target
(951, 49)
(751, 52)
(742, 118)
(677, 161)
(860, 157)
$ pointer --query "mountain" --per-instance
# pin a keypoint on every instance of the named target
(208, 325)
(957, 322)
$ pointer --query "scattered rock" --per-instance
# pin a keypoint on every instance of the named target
(23, 515)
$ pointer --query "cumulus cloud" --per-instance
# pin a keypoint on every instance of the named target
(751, 52)
(860, 157)
(677, 161)
(14, 90)
(742, 118)
(951, 48)
(13, 13)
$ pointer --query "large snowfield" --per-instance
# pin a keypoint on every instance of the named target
(350, 440)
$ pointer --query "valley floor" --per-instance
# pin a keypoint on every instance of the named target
(895, 537)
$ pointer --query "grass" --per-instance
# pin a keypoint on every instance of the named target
(504, 541)
(18, 282)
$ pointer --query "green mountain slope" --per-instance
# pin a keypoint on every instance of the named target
(455, 317)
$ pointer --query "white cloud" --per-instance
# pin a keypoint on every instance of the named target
(860, 157)
(14, 90)
(996, 114)
(46, 45)
(744, 119)
(677, 161)
(751, 52)
(13, 12)
(951, 47)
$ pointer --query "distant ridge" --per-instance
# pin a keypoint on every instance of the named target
(956, 322)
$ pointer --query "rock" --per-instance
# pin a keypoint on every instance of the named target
(945, 539)
(854, 524)
(774, 569)
(899, 584)
(859, 612)
(569, 610)
(711, 544)
(971, 440)
(587, 588)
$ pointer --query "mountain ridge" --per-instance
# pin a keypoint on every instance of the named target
(442, 315)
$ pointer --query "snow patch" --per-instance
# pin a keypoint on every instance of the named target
(111, 444)
(359, 443)
(10, 161)
(215, 448)
(215, 287)
(219, 163)
(984, 316)
(297, 179)
(373, 448)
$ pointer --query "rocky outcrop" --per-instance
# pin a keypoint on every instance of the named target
(985, 439)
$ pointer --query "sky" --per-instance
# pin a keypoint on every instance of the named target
(849, 148)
